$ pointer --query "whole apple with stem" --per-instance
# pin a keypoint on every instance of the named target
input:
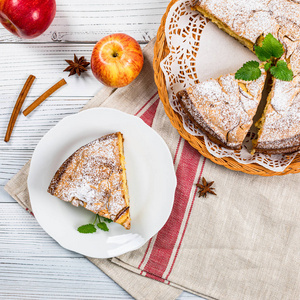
(27, 18)
(117, 60)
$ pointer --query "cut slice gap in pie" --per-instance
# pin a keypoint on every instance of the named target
(223, 108)
(279, 126)
(249, 21)
(94, 177)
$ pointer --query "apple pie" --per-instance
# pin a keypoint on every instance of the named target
(249, 21)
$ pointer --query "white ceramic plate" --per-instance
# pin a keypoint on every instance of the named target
(151, 183)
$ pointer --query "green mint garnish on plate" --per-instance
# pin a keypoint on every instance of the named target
(269, 52)
(102, 226)
(91, 228)
(88, 228)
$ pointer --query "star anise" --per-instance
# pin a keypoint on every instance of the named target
(77, 66)
(205, 188)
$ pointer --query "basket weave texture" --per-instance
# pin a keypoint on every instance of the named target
(161, 50)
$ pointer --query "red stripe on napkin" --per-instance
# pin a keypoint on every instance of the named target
(147, 249)
(149, 114)
(29, 211)
(167, 236)
(146, 103)
(155, 277)
(203, 164)
(177, 148)
(139, 267)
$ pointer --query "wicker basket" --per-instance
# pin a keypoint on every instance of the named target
(160, 52)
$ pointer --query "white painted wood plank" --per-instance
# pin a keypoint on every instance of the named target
(34, 266)
(22, 236)
(90, 20)
(55, 278)
(27, 133)
(58, 278)
(46, 62)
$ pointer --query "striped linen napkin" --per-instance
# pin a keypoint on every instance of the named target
(241, 244)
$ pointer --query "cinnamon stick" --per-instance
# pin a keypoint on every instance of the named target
(43, 97)
(18, 107)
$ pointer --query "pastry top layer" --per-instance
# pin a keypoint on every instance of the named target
(250, 19)
(281, 129)
(92, 177)
(224, 107)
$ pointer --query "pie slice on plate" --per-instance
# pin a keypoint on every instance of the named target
(94, 177)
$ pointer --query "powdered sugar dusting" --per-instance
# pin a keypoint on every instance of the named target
(281, 128)
(225, 107)
(283, 94)
(252, 18)
(92, 178)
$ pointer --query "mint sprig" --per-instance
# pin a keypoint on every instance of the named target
(281, 71)
(91, 228)
(88, 228)
(249, 71)
(271, 47)
(102, 226)
(267, 66)
(269, 52)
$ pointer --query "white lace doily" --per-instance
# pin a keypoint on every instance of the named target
(195, 46)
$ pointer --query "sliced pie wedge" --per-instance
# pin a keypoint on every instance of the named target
(94, 177)
(223, 108)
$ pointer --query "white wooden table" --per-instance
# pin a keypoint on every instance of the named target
(32, 265)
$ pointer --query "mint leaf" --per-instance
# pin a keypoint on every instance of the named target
(102, 226)
(281, 71)
(267, 66)
(249, 71)
(88, 228)
(107, 220)
(271, 47)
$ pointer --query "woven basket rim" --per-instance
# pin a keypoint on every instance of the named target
(160, 52)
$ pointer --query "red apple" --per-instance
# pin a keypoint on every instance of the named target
(117, 59)
(27, 18)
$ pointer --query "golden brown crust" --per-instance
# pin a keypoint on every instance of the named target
(58, 175)
(289, 150)
(213, 137)
(223, 26)
(123, 217)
